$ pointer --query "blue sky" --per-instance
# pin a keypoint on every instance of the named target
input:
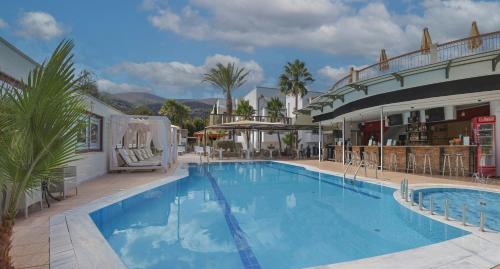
(164, 47)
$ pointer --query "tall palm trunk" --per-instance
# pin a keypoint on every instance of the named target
(229, 103)
(6, 242)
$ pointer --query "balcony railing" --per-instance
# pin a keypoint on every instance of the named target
(444, 52)
(216, 119)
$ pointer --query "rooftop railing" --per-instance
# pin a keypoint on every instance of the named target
(216, 119)
(443, 52)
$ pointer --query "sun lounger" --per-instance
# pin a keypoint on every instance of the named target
(132, 160)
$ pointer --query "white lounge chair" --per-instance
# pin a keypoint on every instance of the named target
(132, 162)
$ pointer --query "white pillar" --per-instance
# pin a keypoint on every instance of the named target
(422, 115)
(406, 115)
(319, 142)
(343, 141)
(450, 113)
(495, 110)
(381, 138)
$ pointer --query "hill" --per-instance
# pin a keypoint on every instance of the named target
(127, 101)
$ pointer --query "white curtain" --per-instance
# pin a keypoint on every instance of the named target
(174, 145)
(160, 135)
(148, 139)
(119, 126)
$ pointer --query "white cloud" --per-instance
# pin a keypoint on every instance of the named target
(112, 87)
(335, 73)
(176, 78)
(3, 24)
(39, 25)
(332, 26)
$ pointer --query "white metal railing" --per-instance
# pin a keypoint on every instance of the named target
(443, 52)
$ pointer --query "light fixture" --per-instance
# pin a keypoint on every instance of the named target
(462, 114)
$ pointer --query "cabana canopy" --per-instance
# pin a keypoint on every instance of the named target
(145, 129)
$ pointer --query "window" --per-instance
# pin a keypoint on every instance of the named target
(90, 137)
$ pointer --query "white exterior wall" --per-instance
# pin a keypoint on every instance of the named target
(13, 62)
(94, 164)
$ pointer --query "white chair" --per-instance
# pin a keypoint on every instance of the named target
(27, 199)
(181, 150)
(64, 181)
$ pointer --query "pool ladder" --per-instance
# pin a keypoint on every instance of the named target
(363, 163)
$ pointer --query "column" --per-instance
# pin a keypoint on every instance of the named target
(495, 110)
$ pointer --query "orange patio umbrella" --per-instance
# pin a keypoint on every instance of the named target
(475, 40)
(425, 47)
(382, 61)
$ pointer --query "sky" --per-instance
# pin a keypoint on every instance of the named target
(164, 46)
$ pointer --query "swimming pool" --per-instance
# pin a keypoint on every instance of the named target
(476, 201)
(262, 215)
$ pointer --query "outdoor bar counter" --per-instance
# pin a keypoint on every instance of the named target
(435, 153)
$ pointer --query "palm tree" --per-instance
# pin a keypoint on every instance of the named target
(39, 124)
(294, 80)
(275, 111)
(177, 112)
(227, 78)
(245, 109)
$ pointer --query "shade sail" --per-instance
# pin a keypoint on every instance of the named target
(383, 62)
(475, 40)
(426, 41)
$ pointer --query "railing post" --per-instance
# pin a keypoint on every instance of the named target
(482, 219)
(464, 215)
(446, 209)
(431, 206)
(420, 200)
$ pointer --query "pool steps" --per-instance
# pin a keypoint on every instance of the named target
(407, 195)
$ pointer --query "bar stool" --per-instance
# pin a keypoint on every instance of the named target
(412, 163)
(366, 159)
(427, 161)
(459, 163)
(446, 160)
(356, 158)
(393, 162)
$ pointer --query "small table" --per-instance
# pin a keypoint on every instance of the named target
(220, 153)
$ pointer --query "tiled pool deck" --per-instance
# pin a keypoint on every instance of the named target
(31, 236)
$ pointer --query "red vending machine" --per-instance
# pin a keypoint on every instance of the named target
(483, 129)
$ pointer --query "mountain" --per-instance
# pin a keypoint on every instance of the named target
(129, 100)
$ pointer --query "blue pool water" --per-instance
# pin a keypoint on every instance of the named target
(262, 215)
(475, 201)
